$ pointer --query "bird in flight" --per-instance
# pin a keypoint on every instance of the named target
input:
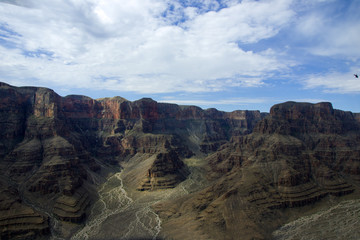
(355, 75)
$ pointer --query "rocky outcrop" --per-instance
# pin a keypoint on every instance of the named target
(50, 145)
(71, 207)
(55, 150)
(307, 149)
(41, 157)
(357, 116)
(165, 172)
(18, 220)
(294, 157)
(292, 118)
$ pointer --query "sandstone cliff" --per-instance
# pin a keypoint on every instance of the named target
(55, 152)
(296, 156)
(53, 148)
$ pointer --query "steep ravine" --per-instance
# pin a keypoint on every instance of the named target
(118, 214)
(117, 169)
(112, 200)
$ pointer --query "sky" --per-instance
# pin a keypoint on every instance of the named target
(224, 54)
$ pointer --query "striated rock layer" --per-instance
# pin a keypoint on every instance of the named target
(55, 152)
(17, 219)
(296, 156)
(165, 172)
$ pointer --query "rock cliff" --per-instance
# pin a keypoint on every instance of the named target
(56, 151)
(165, 172)
(296, 156)
(53, 148)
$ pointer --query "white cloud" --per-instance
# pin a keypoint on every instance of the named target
(247, 22)
(130, 46)
(342, 40)
(332, 30)
(335, 82)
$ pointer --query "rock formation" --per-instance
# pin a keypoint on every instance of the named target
(17, 219)
(294, 157)
(55, 152)
(51, 147)
(165, 172)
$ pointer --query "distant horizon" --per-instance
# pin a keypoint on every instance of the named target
(223, 54)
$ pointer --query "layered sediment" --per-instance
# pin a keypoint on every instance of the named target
(299, 154)
(55, 152)
(166, 171)
(18, 220)
(53, 148)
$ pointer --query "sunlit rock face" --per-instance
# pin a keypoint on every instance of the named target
(237, 175)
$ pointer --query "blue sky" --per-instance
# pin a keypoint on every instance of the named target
(227, 54)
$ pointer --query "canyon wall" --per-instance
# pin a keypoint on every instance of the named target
(297, 156)
(54, 150)
(52, 146)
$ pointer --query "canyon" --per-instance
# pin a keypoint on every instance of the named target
(79, 168)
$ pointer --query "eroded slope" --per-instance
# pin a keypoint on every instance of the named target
(295, 157)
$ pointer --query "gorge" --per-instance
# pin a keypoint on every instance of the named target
(78, 168)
